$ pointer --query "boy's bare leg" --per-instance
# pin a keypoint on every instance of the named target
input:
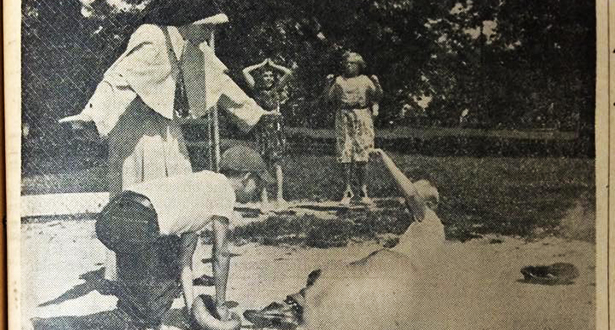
(187, 247)
(347, 169)
(222, 257)
(281, 203)
(362, 176)
(361, 173)
(265, 207)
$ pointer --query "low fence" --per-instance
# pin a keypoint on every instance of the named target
(36, 159)
(463, 142)
(437, 142)
(432, 133)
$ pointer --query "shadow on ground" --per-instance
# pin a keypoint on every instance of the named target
(104, 320)
(94, 281)
(109, 320)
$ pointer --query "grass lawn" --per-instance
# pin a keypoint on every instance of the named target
(527, 197)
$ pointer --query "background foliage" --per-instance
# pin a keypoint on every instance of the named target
(513, 64)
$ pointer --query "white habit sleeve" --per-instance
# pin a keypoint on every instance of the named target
(223, 91)
(109, 101)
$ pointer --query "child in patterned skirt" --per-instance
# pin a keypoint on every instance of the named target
(270, 130)
(356, 98)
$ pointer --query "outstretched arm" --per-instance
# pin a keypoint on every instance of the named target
(415, 202)
(243, 110)
(83, 126)
(77, 121)
(247, 72)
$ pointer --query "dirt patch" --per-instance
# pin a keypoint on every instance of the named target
(476, 285)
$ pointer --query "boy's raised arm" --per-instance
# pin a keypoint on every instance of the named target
(414, 201)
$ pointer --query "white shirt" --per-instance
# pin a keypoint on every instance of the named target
(422, 239)
(187, 203)
(148, 70)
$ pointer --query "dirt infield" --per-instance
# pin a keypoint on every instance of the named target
(478, 285)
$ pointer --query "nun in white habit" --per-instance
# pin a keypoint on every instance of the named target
(168, 73)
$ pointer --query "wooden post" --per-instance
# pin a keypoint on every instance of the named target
(214, 125)
(210, 142)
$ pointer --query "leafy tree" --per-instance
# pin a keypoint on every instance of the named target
(510, 64)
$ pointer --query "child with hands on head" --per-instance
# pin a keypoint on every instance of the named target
(270, 131)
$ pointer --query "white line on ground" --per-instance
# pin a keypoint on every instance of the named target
(90, 203)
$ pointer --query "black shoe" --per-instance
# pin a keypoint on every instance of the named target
(558, 273)
(204, 280)
(275, 315)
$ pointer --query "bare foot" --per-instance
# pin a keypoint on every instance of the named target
(348, 195)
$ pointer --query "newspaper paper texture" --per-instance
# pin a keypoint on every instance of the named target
(230, 164)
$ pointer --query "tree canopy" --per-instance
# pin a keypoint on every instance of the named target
(512, 64)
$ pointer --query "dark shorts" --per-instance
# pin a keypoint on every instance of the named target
(149, 281)
(148, 267)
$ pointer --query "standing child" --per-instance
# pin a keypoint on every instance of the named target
(270, 135)
(356, 98)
